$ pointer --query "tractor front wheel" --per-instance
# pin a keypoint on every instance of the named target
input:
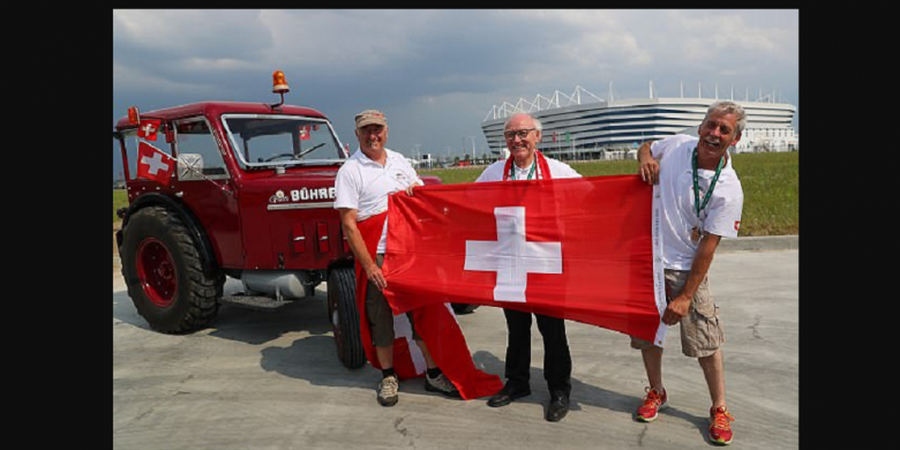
(164, 273)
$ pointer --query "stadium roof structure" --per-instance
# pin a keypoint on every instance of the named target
(584, 122)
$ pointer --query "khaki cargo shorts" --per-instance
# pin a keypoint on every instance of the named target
(701, 330)
(380, 315)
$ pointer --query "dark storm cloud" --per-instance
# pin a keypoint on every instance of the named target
(437, 73)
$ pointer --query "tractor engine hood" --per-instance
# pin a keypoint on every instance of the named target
(292, 190)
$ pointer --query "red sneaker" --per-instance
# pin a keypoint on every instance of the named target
(653, 402)
(720, 425)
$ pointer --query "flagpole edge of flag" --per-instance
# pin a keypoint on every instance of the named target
(659, 277)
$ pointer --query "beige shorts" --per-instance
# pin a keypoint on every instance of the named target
(701, 329)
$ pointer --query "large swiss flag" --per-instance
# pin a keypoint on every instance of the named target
(580, 249)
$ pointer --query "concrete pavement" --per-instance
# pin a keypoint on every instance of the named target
(273, 381)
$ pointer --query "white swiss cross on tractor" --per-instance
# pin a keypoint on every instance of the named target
(156, 163)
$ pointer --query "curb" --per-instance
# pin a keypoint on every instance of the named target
(760, 243)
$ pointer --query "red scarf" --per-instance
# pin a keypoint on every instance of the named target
(543, 167)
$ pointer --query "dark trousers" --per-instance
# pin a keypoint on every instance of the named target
(557, 361)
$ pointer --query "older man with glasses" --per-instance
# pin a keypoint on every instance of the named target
(525, 162)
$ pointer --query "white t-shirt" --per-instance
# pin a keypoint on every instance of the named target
(364, 185)
(722, 215)
(558, 169)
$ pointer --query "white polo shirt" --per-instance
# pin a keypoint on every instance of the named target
(722, 215)
(558, 169)
(364, 185)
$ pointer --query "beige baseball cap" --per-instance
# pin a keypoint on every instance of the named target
(369, 117)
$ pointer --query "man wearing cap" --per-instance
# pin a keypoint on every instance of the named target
(701, 201)
(362, 187)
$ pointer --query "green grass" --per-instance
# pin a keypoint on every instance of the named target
(771, 183)
(120, 199)
(587, 169)
(455, 176)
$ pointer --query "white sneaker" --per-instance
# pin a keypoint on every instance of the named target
(441, 384)
(387, 391)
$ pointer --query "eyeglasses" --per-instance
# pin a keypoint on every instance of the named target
(521, 133)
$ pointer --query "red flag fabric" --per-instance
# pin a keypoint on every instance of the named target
(304, 133)
(580, 249)
(435, 324)
(154, 164)
(148, 129)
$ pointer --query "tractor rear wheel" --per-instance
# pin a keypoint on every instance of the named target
(344, 317)
(464, 308)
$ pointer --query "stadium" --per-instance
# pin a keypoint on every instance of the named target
(584, 126)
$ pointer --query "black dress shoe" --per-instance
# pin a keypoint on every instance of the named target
(507, 395)
(559, 406)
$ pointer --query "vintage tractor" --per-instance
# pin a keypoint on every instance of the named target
(238, 189)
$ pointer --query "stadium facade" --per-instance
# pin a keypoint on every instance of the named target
(588, 127)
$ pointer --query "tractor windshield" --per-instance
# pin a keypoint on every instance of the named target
(265, 141)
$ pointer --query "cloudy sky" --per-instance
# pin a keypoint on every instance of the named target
(436, 73)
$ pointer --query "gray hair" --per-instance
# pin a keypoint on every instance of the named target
(537, 123)
(726, 107)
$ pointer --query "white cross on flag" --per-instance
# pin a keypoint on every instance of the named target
(153, 164)
(148, 128)
(581, 249)
(511, 256)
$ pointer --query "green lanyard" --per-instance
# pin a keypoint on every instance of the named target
(712, 184)
(512, 170)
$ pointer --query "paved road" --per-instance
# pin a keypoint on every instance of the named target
(273, 381)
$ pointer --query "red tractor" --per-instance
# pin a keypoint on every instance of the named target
(238, 189)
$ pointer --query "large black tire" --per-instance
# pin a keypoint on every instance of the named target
(344, 317)
(165, 274)
(464, 308)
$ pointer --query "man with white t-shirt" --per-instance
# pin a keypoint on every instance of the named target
(701, 201)
(362, 187)
(525, 162)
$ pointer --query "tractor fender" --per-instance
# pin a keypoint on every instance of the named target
(207, 255)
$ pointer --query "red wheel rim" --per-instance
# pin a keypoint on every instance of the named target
(156, 271)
